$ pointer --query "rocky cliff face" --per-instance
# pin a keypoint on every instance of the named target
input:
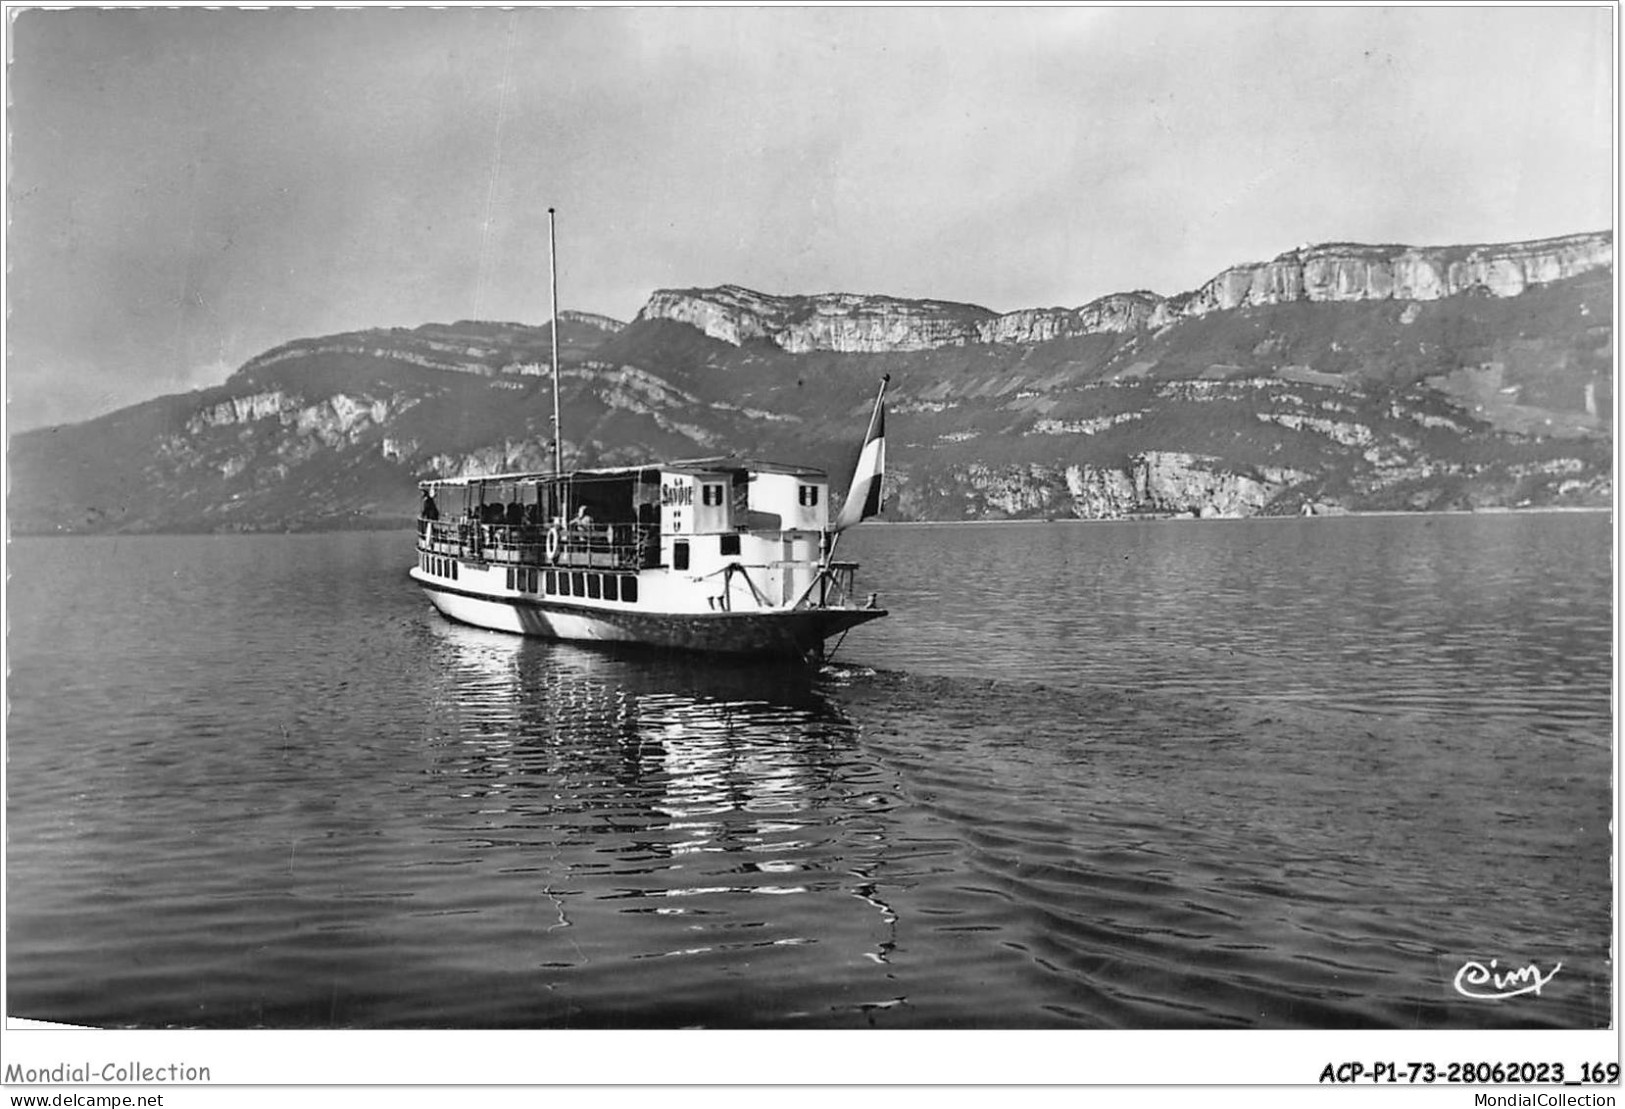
(840, 322)
(337, 419)
(1116, 314)
(1333, 272)
(1349, 272)
(850, 324)
(1151, 483)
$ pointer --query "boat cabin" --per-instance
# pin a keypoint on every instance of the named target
(694, 518)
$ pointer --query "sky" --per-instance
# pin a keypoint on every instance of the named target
(188, 188)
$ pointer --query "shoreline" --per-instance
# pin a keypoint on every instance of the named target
(381, 527)
(1544, 510)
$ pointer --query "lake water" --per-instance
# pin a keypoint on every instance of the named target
(1266, 773)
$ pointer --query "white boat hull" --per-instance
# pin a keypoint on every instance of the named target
(774, 632)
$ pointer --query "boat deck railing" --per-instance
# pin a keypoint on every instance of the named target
(603, 546)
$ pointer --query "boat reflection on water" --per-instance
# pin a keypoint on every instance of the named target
(619, 807)
(665, 708)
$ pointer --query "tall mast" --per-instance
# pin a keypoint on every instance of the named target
(553, 273)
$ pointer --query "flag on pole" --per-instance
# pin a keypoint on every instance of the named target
(863, 499)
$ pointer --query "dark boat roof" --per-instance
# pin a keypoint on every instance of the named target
(694, 466)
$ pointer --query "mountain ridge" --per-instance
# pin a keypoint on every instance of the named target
(1279, 403)
(868, 323)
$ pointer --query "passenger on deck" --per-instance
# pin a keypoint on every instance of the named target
(582, 520)
(429, 511)
(516, 514)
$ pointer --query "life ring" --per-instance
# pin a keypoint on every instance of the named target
(553, 544)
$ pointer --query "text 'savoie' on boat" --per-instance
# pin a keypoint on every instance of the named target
(711, 554)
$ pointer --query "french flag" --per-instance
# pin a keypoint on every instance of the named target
(863, 500)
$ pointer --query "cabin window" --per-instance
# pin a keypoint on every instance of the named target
(533, 581)
(510, 577)
(611, 589)
(729, 545)
(629, 589)
(552, 581)
(578, 583)
(564, 585)
(809, 495)
(595, 587)
(711, 494)
(679, 555)
(454, 570)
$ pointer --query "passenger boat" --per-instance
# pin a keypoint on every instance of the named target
(711, 554)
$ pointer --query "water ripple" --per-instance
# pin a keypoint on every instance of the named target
(1278, 774)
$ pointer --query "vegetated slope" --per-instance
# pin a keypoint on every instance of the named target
(1469, 400)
